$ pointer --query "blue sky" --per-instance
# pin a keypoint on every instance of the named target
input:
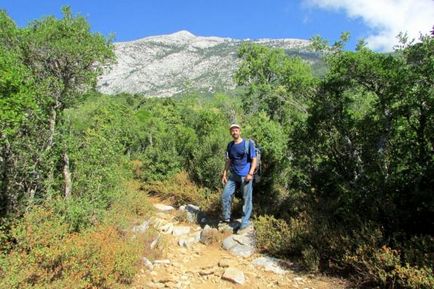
(134, 19)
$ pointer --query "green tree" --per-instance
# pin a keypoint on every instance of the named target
(67, 54)
(46, 68)
(274, 82)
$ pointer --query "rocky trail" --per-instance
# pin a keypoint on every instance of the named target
(200, 254)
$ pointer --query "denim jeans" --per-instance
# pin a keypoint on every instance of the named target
(235, 181)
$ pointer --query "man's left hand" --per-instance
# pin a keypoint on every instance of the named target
(248, 178)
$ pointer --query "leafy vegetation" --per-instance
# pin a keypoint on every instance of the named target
(360, 162)
(347, 158)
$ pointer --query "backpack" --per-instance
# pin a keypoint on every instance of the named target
(258, 170)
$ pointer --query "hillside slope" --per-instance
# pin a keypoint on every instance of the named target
(171, 64)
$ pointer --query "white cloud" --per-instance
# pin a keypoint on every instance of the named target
(387, 18)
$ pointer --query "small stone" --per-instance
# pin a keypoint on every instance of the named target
(298, 279)
(196, 236)
(163, 208)
(234, 275)
(148, 264)
(167, 229)
(158, 285)
(180, 230)
(154, 243)
(192, 208)
(206, 272)
(224, 263)
(182, 243)
(162, 262)
(141, 228)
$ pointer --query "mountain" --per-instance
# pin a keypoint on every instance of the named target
(172, 64)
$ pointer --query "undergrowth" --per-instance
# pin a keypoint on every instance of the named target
(41, 251)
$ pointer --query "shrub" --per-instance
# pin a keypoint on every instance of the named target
(181, 190)
(278, 237)
(383, 267)
(47, 255)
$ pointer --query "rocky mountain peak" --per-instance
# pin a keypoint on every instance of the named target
(176, 63)
(182, 34)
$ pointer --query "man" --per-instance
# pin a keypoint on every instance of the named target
(238, 172)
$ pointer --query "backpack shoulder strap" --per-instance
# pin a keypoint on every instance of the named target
(229, 147)
(247, 146)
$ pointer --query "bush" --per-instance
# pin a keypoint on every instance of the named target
(278, 237)
(382, 267)
(45, 253)
(180, 190)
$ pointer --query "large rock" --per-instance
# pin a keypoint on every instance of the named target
(239, 245)
(271, 264)
(163, 207)
(180, 230)
(234, 275)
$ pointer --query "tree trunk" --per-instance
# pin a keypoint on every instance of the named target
(5, 164)
(66, 176)
(53, 120)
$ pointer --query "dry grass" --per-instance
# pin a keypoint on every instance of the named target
(180, 190)
(47, 255)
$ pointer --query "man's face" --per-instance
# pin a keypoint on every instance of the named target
(235, 132)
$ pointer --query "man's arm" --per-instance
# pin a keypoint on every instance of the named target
(225, 171)
(249, 176)
(252, 167)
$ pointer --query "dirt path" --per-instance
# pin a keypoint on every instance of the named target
(206, 266)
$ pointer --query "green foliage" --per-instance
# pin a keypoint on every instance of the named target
(99, 133)
(187, 133)
(279, 237)
(347, 158)
(66, 51)
(17, 90)
(276, 83)
(383, 267)
(45, 68)
(359, 158)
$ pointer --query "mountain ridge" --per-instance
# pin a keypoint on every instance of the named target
(172, 64)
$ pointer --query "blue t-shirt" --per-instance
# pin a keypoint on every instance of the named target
(241, 160)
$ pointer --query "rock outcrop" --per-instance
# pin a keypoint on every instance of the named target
(178, 63)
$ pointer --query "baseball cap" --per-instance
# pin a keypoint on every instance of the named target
(234, 125)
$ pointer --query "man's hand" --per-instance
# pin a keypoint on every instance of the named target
(248, 178)
(224, 179)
